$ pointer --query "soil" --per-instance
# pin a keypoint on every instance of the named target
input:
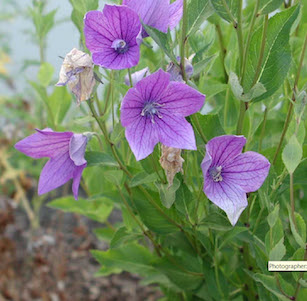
(53, 263)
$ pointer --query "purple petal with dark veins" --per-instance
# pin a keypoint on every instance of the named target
(181, 99)
(224, 149)
(175, 131)
(228, 196)
(56, 173)
(44, 143)
(77, 146)
(175, 13)
(142, 136)
(248, 170)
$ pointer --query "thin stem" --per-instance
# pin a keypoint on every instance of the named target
(288, 119)
(183, 40)
(264, 32)
(130, 78)
(226, 107)
(298, 286)
(240, 36)
(223, 49)
(198, 127)
(263, 129)
(234, 22)
(292, 201)
(280, 288)
(241, 118)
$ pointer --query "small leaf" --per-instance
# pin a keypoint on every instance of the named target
(168, 194)
(200, 66)
(278, 251)
(273, 216)
(94, 158)
(115, 177)
(117, 133)
(45, 74)
(142, 178)
(267, 6)
(122, 236)
(292, 154)
(220, 9)
(298, 230)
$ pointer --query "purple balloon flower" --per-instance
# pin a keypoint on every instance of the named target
(66, 153)
(155, 110)
(159, 14)
(113, 36)
(229, 174)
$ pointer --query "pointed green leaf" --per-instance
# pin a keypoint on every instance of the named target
(292, 154)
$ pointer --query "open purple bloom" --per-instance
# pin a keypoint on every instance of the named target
(229, 174)
(159, 14)
(155, 110)
(66, 152)
(113, 36)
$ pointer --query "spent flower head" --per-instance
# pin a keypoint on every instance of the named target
(113, 36)
(155, 110)
(229, 174)
(66, 152)
(77, 73)
(160, 14)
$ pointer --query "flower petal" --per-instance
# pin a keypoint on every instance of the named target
(229, 197)
(44, 143)
(137, 76)
(181, 99)
(225, 148)
(55, 173)
(248, 170)
(152, 87)
(175, 13)
(132, 106)
(76, 179)
(142, 136)
(77, 146)
(175, 131)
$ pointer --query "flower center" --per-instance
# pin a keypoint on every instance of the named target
(120, 46)
(216, 173)
(151, 109)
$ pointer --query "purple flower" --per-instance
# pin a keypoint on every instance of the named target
(159, 14)
(229, 174)
(113, 36)
(66, 153)
(175, 71)
(137, 76)
(155, 110)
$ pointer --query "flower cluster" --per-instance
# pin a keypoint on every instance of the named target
(153, 111)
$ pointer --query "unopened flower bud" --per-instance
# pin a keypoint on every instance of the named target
(77, 72)
(175, 71)
(171, 161)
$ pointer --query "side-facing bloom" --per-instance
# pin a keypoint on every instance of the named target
(175, 71)
(137, 76)
(113, 36)
(155, 110)
(77, 72)
(229, 174)
(66, 152)
(159, 14)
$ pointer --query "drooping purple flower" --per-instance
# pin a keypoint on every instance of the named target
(113, 36)
(159, 14)
(155, 110)
(175, 71)
(229, 174)
(137, 76)
(66, 152)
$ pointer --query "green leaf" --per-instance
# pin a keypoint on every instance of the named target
(216, 221)
(200, 66)
(104, 234)
(210, 125)
(267, 6)
(118, 133)
(278, 251)
(220, 9)
(142, 178)
(163, 40)
(94, 158)
(168, 194)
(97, 209)
(184, 200)
(277, 54)
(292, 154)
(45, 74)
(274, 236)
(230, 235)
(198, 12)
(59, 102)
(122, 236)
(132, 258)
(273, 216)
(298, 229)
(115, 177)
(155, 219)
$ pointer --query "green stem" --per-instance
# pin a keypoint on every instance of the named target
(292, 201)
(183, 40)
(130, 78)
(198, 127)
(240, 37)
(223, 49)
(226, 107)
(264, 32)
(234, 22)
(298, 286)
(263, 128)
(241, 118)
(288, 119)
